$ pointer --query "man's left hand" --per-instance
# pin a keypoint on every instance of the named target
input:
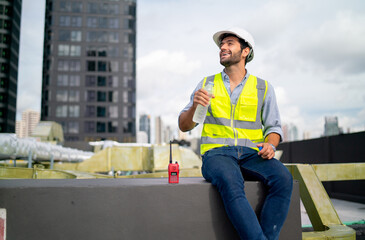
(267, 152)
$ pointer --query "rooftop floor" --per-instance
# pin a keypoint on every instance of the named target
(348, 212)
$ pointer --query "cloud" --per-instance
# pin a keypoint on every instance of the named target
(337, 43)
(164, 83)
(170, 62)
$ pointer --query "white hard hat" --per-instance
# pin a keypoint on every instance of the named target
(240, 33)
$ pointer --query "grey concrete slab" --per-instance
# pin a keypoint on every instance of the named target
(126, 209)
(347, 211)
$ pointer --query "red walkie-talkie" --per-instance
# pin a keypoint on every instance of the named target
(173, 170)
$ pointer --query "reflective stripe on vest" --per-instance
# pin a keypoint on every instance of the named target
(229, 124)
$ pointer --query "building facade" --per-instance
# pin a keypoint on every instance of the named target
(10, 14)
(89, 73)
(25, 127)
(145, 126)
(331, 127)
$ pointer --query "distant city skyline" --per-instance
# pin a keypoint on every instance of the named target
(312, 52)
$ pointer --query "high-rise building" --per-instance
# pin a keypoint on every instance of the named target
(145, 126)
(25, 127)
(158, 130)
(290, 132)
(89, 73)
(10, 14)
(331, 126)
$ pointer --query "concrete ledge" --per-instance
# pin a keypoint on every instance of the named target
(126, 209)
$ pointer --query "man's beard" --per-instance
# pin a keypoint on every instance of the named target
(235, 58)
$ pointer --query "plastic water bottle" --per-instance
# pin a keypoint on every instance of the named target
(201, 111)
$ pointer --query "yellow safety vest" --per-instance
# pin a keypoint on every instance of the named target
(239, 124)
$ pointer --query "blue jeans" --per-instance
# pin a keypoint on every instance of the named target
(228, 167)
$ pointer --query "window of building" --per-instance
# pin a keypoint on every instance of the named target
(90, 81)
(62, 65)
(92, 7)
(91, 51)
(115, 81)
(61, 96)
(132, 111)
(74, 65)
(62, 80)
(103, 22)
(75, 36)
(113, 37)
(63, 50)
(103, 8)
(113, 23)
(101, 112)
(133, 97)
(125, 96)
(125, 112)
(100, 127)
(74, 80)
(65, 6)
(89, 126)
(91, 66)
(101, 96)
(64, 127)
(61, 111)
(102, 66)
(115, 96)
(74, 111)
(114, 65)
(129, 9)
(73, 96)
(113, 51)
(102, 51)
(76, 7)
(128, 127)
(113, 111)
(92, 22)
(76, 21)
(113, 9)
(131, 38)
(90, 111)
(113, 127)
(64, 35)
(75, 50)
(73, 127)
(101, 81)
(90, 96)
(65, 21)
(127, 67)
(67, 35)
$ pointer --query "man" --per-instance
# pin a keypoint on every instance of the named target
(239, 138)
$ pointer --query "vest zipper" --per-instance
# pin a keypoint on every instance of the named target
(235, 133)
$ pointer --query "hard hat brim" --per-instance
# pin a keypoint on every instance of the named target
(217, 35)
(244, 36)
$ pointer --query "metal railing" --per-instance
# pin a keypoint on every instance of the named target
(321, 212)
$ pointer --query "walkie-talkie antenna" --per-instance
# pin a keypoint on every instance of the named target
(170, 153)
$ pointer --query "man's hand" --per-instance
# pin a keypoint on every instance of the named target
(202, 97)
(186, 118)
(267, 152)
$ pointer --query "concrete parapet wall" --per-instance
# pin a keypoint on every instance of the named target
(126, 209)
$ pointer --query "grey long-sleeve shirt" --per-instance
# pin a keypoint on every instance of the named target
(270, 111)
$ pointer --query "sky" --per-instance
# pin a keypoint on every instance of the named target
(312, 52)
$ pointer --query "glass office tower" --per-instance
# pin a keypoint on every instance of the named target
(89, 73)
(10, 14)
